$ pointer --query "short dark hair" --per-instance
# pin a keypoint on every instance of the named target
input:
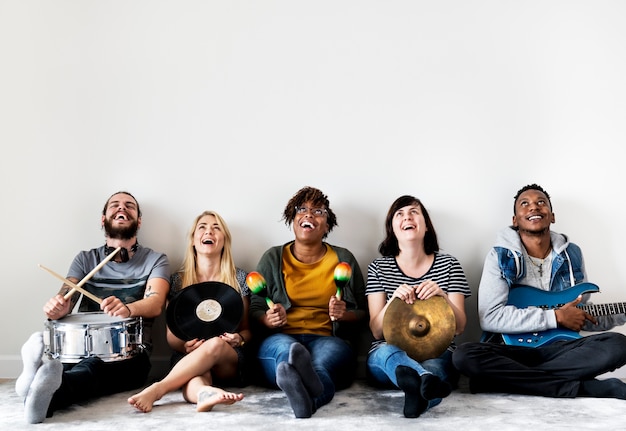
(530, 187)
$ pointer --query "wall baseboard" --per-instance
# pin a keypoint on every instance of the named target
(11, 367)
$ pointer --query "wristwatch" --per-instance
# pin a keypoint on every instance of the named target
(243, 340)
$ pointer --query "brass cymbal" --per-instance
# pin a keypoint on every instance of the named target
(424, 330)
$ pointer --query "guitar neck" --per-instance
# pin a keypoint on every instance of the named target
(525, 296)
(604, 309)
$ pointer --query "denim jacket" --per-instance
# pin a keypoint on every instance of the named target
(504, 268)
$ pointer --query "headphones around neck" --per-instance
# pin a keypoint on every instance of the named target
(123, 252)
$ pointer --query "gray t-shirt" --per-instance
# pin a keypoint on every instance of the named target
(125, 280)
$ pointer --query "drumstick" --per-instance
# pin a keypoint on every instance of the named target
(91, 274)
(73, 286)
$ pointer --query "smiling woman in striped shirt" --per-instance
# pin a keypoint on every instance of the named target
(413, 269)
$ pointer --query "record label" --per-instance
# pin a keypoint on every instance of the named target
(208, 310)
(204, 310)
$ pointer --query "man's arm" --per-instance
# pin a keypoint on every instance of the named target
(153, 302)
(494, 312)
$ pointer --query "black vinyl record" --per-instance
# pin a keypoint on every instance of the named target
(204, 310)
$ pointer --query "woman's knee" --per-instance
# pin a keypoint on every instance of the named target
(214, 347)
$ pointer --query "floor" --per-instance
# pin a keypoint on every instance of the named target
(354, 409)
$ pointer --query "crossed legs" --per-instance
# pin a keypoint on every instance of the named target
(562, 369)
(193, 373)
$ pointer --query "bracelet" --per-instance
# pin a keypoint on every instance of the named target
(243, 340)
(129, 312)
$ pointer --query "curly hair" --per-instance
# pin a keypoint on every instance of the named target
(317, 199)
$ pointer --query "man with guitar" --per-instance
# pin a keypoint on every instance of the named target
(530, 306)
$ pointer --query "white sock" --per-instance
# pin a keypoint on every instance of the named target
(32, 352)
(46, 382)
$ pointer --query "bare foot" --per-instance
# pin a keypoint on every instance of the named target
(207, 398)
(144, 400)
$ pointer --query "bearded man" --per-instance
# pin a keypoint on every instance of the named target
(130, 288)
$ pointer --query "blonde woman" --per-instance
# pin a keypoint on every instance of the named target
(199, 364)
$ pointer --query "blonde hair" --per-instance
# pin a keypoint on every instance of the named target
(228, 271)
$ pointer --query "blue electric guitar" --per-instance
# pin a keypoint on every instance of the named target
(525, 296)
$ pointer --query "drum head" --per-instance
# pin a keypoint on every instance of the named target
(204, 310)
(91, 318)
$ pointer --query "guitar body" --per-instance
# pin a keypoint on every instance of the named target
(525, 296)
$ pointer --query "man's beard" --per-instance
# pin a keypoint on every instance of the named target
(536, 232)
(122, 233)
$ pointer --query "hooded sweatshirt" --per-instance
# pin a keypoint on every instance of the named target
(505, 267)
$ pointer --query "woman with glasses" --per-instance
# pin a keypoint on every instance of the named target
(305, 326)
(413, 269)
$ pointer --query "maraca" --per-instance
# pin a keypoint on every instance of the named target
(256, 283)
(343, 273)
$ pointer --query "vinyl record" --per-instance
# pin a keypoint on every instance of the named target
(204, 310)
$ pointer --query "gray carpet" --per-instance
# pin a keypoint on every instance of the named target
(358, 408)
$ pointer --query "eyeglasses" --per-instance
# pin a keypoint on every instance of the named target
(317, 212)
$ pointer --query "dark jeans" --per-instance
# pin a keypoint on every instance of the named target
(553, 370)
(92, 378)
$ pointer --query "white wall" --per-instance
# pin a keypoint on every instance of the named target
(235, 105)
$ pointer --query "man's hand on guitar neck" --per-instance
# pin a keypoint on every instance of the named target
(571, 317)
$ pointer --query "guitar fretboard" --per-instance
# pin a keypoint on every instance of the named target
(595, 309)
(604, 309)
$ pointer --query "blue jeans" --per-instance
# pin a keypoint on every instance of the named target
(333, 360)
(383, 361)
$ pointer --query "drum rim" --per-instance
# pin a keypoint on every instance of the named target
(74, 319)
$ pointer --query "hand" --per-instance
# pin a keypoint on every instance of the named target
(276, 316)
(336, 308)
(113, 306)
(192, 345)
(428, 289)
(571, 317)
(233, 339)
(405, 293)
(57, 307)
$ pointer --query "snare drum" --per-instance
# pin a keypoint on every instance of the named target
(82, 335)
